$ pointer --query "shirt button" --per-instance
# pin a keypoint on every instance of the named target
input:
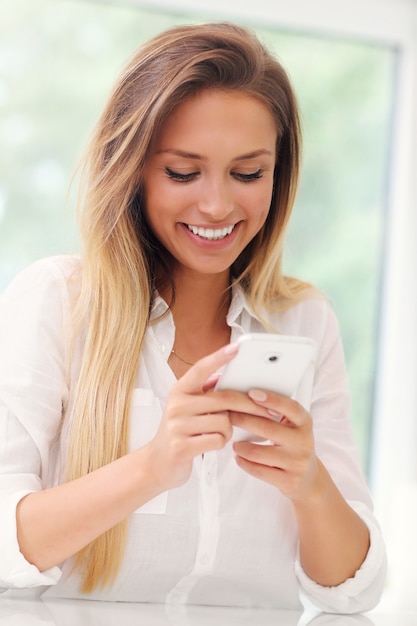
(209, 478)
(162, 347)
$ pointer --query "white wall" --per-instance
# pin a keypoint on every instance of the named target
(386, 20)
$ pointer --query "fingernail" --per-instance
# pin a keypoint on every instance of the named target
(213, 377)
(258, 395)
(231, 348)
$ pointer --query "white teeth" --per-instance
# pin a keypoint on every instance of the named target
(211, 233)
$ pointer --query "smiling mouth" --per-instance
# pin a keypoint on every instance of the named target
(211, 234)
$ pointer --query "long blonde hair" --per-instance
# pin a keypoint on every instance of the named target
(120, 254)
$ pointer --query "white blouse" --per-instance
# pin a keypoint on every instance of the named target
(224, 538)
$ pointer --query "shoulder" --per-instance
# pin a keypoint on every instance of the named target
(44, 293)
(60, 267)
(57, 273)
(312, 316)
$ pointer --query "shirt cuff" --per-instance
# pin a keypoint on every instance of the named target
(358, 594)
(15, 570)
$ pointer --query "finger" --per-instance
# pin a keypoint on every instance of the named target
(211, 381)
(192, 404)
(268, 455)
(291, 477)
(298, 438)
(209, 424)
(200, 444)
(279, 406)
(187, 448)
(263, 427)
(272, 475)
(236, 402)
(196, 377)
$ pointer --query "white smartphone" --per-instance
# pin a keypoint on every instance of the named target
(266, 361)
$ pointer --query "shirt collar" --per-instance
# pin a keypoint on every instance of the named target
(239, 307)
(159, 308)
(240, 312)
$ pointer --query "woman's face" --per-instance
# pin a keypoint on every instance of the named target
(208, 182)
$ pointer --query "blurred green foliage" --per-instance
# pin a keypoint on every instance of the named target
(58, 61)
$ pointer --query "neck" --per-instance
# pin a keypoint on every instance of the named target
(199, 311)
(199, 300)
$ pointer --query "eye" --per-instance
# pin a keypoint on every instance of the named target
(247, 178)
(179, 177)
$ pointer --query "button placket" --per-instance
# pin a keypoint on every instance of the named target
(209, 530)
(209, 518)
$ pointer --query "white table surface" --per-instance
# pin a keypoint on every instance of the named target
(86, 613)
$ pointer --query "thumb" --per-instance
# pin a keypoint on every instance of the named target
(202, 375)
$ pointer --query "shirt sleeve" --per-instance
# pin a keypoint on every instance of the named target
(337, 449)
(33, 392)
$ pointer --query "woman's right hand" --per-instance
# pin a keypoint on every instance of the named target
(195, 421)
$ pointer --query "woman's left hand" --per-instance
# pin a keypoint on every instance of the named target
(288, 460)
(333, 539)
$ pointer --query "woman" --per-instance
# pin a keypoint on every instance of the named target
(120, 476)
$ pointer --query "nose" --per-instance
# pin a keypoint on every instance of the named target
(216, 200)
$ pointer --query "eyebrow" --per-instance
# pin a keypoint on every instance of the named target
(193, 155)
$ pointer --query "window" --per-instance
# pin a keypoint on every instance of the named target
(58, 60)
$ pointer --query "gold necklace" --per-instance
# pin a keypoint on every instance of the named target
(180, 358)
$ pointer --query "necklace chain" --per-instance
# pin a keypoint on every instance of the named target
(180, 358)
